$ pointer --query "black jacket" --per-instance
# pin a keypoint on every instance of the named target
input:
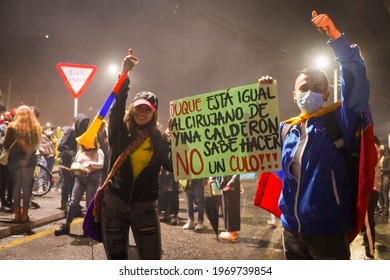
(146, 185)
(68, 144)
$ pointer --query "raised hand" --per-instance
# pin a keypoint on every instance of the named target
(264, 80)
(129, 62)
(325, 25)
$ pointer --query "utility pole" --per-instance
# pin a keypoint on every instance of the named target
(9, 80)
(335, 83)
(9, 91)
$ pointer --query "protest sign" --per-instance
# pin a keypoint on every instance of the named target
(231, 131)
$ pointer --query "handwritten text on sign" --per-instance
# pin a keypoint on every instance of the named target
(232, 131)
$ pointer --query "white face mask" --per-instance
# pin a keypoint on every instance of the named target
(309, 101)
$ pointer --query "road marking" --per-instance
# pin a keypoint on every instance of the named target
(34, 236)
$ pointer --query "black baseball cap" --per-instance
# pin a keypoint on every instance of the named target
(147, 98)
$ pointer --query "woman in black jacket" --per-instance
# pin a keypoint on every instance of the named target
(130, 199)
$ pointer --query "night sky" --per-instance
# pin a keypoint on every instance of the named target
(185, 48)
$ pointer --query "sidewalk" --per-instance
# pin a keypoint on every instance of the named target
(46, 212)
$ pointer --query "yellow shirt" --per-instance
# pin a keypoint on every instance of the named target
(141, 157)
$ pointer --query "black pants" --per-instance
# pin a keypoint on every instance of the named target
(5, 186)
(231, 209)
(315, 247)
(169, 202)
(117, 217)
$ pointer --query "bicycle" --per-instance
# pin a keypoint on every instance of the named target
(43, 180)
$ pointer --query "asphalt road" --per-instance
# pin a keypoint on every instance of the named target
(257, 241)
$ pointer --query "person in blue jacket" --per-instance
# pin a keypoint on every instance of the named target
(317, 195)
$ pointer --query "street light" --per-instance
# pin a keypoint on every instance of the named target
(335, 83)
(113, 69)
(322, 62)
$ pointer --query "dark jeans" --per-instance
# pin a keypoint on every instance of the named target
(88, 185)
(117, 217)
(197, 194)
(67, 186)
(315, 247)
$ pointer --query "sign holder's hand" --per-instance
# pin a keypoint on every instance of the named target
(325, 25)
(265, 80)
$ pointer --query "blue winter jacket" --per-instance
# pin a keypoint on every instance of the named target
(320, 201)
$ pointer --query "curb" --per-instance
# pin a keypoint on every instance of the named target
(16, 229)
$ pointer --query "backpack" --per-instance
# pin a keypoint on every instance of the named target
(360, 163)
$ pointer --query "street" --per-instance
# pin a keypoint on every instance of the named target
(257, 241)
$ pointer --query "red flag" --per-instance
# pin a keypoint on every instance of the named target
(367, 163)
(268, 192)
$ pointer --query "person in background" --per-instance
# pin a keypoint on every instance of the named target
(369, 221)
(130, 198)
(47, 151)
(54, 138)
(91, 162)
(2, 105)
(317, 194)
(168, 202)
(24, 136)
(231, 194)
(68, 149)
(384, 167)
(195, 195)
(5, 177)
(35, 111)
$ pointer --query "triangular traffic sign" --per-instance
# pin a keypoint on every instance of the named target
(76, 76)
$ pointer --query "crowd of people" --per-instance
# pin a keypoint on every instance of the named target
(134, 155)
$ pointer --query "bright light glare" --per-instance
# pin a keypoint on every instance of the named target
(112, 69)
(322, 62)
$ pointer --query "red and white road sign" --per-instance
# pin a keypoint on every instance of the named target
(76, 76)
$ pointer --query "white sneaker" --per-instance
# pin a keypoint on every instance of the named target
(272, 223)
(189, 225)
(232, 236)
(200, 226)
